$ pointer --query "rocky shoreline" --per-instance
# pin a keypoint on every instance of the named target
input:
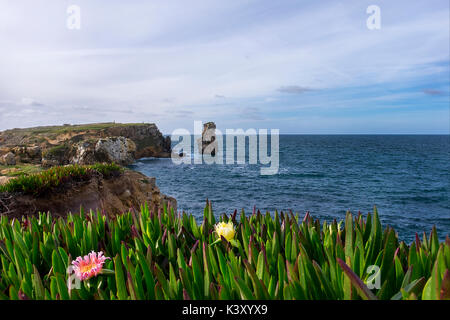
(44, 147)
(83, 144)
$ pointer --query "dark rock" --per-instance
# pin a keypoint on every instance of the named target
(208, 139)
(8, 159)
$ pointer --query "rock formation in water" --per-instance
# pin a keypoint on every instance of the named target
(207, 143)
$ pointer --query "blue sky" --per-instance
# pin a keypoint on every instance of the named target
(297, 66)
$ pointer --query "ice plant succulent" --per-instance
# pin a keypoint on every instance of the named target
(225, 229)
(304, 260)
(89, 266)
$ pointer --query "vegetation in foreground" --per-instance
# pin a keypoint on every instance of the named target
(45, 181)
(160, 255)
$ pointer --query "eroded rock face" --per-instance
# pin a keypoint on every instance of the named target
(55, 156)
(111, 149)
(83, 153)
(8, 159)
(33, 152)
(148, 139)
(113, 196)
(115, 149)
(28, 154)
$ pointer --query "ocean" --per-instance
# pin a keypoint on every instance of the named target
(406, 176)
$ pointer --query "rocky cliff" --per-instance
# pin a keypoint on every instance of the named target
(83, 144)
(111, 195)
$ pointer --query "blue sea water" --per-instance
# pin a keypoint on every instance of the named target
(406, 176)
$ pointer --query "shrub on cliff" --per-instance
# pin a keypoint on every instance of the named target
(161, 255)
(54, 177)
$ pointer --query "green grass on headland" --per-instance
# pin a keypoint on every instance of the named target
(165, 256)
(41, 182)
(71, 128)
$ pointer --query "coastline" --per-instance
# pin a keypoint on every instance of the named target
(34, 151)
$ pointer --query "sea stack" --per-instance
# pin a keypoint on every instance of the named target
(208, 143)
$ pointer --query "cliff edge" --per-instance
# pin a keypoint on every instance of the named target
(112, 195)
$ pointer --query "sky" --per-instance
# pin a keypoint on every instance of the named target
(306, 67)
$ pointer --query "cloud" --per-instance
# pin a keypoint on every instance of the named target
(179, 113)
(30, 102)
(433, 92)
(167, 55)
(251, 113)
(293, 89)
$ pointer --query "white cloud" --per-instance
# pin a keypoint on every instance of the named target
(153, 57)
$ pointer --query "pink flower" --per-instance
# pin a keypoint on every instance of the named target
(89, 266)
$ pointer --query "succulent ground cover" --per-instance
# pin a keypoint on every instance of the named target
(162, 255)
(44, 181)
